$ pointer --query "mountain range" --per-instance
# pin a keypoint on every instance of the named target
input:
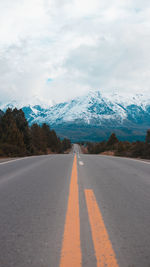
(93, 116)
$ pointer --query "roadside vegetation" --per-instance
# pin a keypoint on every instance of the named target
(18, 139)
(121, 148)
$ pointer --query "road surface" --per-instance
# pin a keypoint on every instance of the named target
(74, 210)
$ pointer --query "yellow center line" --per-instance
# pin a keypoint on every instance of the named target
(71, 250)
(103, 249)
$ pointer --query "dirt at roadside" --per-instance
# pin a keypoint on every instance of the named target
(84, 150)
(109, 153)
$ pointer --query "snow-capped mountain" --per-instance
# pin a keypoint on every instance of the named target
(91, 109)
(28, 102)
(129, 115)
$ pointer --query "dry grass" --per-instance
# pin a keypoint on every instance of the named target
(84, 150)
(108, 153)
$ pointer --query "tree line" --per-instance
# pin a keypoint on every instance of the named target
(122, 148)
(18, 139)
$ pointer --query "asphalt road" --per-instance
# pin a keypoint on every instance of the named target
(34, 197)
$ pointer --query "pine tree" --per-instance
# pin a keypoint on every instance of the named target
(10, 135)
(148, 137)
(18, 139)
(112, 140)
(23, 127)
(38, 139)
(66, 144)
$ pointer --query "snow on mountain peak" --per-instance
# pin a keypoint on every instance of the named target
(93, 108)
(28, 102)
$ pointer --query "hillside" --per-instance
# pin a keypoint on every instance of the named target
(93, 117)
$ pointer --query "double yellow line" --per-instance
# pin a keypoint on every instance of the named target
(71, 255)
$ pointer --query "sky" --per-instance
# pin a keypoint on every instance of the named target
(56, 50)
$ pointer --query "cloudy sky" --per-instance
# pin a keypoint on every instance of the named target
(59, 49)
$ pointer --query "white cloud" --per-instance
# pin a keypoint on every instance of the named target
(80, 45)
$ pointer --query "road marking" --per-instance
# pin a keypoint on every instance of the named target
(13, 160)
(71, 250)
(138, 160)
(103, 249)
(29, 157)
(81, 163)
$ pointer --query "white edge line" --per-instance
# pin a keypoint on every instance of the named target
(142, 161)
(29, 157)
(13, 160)
(138, 160)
